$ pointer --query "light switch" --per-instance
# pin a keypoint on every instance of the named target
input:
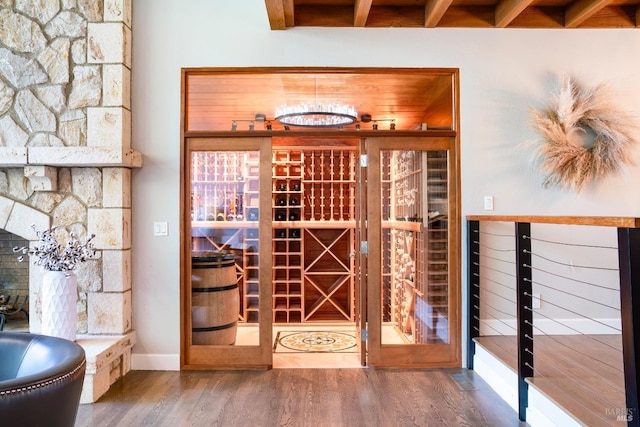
(488, 203)
(160, 229)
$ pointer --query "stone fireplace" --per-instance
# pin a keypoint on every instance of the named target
(66, 158)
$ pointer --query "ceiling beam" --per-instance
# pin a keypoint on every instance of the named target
(288, 13)
(638, 16)
(508, 10)
(361, 12)
(275, 11)
(582, 10)
(434, 10)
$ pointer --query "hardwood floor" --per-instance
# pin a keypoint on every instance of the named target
(582, 373)
(300, 397)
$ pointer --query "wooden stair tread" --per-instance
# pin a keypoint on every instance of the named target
(574, 401)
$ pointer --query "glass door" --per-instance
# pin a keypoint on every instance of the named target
(413, 299)
(360, 264)
(227, 246)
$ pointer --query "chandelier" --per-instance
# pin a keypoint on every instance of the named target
(316, 115)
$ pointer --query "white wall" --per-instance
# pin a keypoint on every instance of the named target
(502, 72)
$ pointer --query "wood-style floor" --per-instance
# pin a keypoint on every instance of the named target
(583, 374)
(299, 397)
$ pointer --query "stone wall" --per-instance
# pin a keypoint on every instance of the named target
(65, 143)
(64, 90)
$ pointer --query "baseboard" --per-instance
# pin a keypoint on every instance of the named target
(499, 377)
(542, 412)
(155, 362)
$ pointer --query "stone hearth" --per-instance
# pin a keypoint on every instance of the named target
(66, 157)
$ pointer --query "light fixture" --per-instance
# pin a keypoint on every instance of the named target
(366, 118)
(316, 115)
(234, 124)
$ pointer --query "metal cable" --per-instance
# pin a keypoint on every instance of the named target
(534, 239)
(573, 295)
(572, 279)
(570, 265)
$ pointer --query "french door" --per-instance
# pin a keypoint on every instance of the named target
(407, 303)
(412, 252)
(226, 257)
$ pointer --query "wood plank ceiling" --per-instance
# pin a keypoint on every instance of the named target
(285, 14)
(217, 98)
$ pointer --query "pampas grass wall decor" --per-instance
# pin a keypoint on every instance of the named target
(584, 136)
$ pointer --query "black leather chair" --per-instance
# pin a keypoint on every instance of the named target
(40, 380)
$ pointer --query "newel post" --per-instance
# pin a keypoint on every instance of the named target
(629, 262)
(525, 314)
(473, 288)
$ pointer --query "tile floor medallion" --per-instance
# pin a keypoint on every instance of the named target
(315, 342)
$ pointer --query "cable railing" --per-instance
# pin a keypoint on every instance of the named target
(553, 298)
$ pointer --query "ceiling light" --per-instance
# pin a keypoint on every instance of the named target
(316, 115)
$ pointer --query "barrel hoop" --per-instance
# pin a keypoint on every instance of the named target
(220, 289)
(215, 328)
(212, 264)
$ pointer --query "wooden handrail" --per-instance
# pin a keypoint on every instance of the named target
(602, 221)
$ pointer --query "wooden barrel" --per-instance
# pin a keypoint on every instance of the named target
(215, 299)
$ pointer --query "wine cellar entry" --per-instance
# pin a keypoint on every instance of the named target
(341, 240)
(312, 201)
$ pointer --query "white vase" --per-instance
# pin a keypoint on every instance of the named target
(59, 295)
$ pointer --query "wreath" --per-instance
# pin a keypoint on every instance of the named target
(584, 137)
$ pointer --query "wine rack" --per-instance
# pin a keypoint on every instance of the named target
(328, 275)
(313, 208)
(224, 210)
(313, 213)
(415, 287)
(329, 185)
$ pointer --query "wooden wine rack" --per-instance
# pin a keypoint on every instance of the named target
(313, 211)
(224, 210)
(313, 202)
(415, 248)
(313, 195)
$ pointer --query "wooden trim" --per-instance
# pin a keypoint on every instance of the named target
(627, 222)
(265, 253)
(322, 133)
(317, 70)
(185, 266)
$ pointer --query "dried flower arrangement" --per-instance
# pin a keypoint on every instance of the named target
(571, 115)
(53, 256)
